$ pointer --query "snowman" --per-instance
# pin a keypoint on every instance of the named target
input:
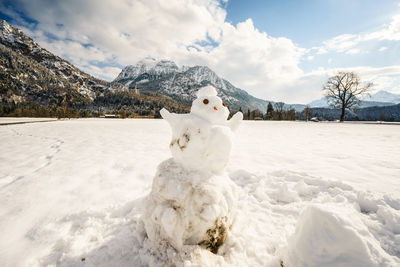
(192, 201)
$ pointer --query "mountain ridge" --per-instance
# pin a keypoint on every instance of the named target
(379, 99)
(182, 83)
(384, 96)
(71, 76)
(35, 82)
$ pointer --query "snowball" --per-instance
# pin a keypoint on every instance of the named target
(210, 108)
(329, 235)
(207, 91)
(187, 207)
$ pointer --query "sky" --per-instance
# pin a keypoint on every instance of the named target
(275, 50)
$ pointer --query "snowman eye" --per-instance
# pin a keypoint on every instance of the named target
(224, 104)
(205, 101)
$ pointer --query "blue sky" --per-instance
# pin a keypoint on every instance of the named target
(276, 50)
(310, 22)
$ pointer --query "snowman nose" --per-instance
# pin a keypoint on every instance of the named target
(215, 108)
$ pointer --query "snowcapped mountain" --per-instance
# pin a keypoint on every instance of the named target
(319, 103)
(31, 73)
(384, 96)
(166, 78)
(34, 82)
(149, 66)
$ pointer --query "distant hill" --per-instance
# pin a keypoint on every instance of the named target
(379, 99)
(383, 113)
(384, 96)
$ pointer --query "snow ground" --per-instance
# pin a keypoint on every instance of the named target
(71, 193)
(7, 120)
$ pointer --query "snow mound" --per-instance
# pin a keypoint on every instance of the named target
(333, 235)
(187, 207)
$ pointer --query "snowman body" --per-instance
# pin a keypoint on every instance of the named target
(202, 139)
(197, 144)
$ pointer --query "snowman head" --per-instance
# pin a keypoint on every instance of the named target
(209, 106)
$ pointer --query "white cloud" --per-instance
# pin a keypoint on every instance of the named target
(251, 59)
(320, 50)
(124, 30)
(382, 48)
(350, 43)
(342, 43)
(390, 32)
(385, 78)
(308, 87)
(353, 51)
(111, 34)
(383, 82)
(245, 53)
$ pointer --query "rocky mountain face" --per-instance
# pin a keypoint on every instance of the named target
(151, 67)
(165, 77)
(33, 78)
(27, 69)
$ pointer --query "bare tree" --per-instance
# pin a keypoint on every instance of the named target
(344, 91)
(307, 111)
(279, 108)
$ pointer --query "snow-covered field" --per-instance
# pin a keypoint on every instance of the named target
(322, 194)
(8, 120)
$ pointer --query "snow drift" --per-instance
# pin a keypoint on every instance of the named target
(330, 235)
(188, 207)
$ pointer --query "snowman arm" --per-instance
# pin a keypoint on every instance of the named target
(171, 118)
(235, 121)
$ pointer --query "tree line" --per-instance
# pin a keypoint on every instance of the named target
(123, 104)
(276, 111)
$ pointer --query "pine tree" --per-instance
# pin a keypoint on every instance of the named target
(270, 111)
